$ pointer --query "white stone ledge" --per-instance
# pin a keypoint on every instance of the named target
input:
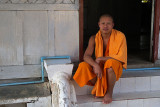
(20, 100)
(26, 71)
(39, 7)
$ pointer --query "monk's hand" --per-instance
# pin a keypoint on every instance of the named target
(97, 70)
(99, 59)
(102, 59)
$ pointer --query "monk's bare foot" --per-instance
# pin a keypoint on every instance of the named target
(107, 98)
(96, 96)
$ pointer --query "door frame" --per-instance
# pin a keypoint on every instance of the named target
(81, 30)
(155, 30)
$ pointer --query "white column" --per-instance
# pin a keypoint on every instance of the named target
(63, 92)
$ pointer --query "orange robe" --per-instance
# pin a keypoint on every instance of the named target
(117, 49)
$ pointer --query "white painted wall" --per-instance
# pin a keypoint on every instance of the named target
(11, 46)
(66, 34)
(26, 35)
(29, 30)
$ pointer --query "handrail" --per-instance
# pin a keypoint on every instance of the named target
(42, 71)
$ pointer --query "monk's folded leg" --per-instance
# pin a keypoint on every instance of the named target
(116, 66)
(84, 74)
(111, 79)
(113, 71)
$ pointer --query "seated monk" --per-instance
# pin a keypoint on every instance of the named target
(111, 57)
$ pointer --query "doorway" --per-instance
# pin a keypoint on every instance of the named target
(132, 17)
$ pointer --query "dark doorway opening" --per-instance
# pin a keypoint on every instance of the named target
(132, 17)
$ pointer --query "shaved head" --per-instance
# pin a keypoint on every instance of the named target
(106, 15)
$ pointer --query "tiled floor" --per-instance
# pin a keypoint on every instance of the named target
(120, 96)
(132, 91)
(151, 102)
(138, 99)
(127, 84)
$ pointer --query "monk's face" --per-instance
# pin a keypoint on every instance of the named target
(106, 25)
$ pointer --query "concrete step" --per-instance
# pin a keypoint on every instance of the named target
(14, 105)
(134, 99)
(138, 81)
(24, 93)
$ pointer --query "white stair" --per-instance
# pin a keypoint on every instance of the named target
(134, 89)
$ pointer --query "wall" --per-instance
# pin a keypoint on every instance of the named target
(30, 29)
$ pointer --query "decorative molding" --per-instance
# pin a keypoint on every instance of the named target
(40, 5)
(37, 1)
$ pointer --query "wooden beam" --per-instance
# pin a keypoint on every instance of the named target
(156, 30)
(81, 31)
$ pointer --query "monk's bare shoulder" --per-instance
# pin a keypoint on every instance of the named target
(92, 39)
(90, 47)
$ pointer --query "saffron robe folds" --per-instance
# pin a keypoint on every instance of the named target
(117, 50)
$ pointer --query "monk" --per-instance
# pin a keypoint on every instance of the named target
(111, 57)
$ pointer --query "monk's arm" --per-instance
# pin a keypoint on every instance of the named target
(89, 51)
(88, 57)
(103, 59)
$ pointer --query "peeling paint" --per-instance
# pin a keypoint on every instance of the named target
(62, 87)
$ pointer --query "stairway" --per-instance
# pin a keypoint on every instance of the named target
(134, 89)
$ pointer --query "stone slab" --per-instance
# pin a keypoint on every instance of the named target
(42, 102)
(23, 93)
